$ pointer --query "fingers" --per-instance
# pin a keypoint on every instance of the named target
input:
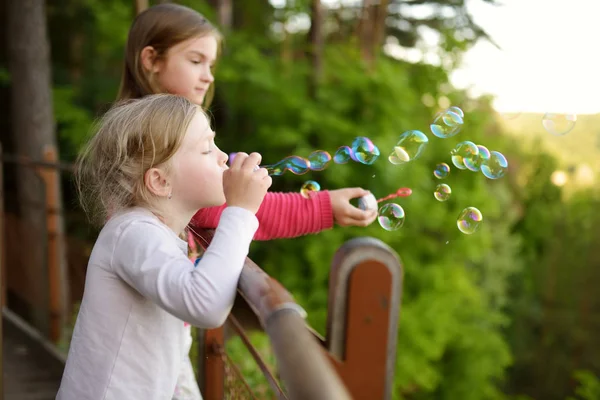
(250, 162)
(356, 217)
(356, 192)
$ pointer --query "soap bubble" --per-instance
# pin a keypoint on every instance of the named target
(342, 155)
(442, 192)
(441, 171)
(559, 124)
(391, 217)
(318, 160)
(495, 166)
(295, 164)
(464, 150)
(474, 163)
(469, 220)
(364, 150)
(447, 123)
(457, 110)
(308, 187)
(410, 146)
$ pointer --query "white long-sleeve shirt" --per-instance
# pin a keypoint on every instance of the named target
(129, 338)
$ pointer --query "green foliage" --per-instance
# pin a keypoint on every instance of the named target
(589, 386)
(72, 121)
(450, 344)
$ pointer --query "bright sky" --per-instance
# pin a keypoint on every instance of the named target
(549, 60)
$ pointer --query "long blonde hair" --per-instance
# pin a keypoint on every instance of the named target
(132, 137)
(161, 26)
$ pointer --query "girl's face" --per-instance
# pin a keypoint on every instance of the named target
(186, 69)
(197, 168)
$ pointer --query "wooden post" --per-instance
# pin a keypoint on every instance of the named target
(3, 286)
(362, 324)
(2, 273)
(214, 365)
(51, 176)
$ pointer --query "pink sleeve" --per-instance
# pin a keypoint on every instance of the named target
(281, 215)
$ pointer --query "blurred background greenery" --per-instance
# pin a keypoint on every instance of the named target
(512, 311)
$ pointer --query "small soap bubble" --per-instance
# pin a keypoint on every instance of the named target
(275, 169)
(319, 160)
(441, 171)
(296, 165)
(364, 150)
(391, 217)
(457, 110)
(469, 220)
(559, 124)
(474, 163)
(442, 192)
(342, 155)
(447, 123)
(309, 187)
(464, 150)
(410, 146)
(495, 166)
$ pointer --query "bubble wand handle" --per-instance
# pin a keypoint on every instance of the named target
(402, 192)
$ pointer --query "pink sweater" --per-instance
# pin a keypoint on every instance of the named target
(281, 215)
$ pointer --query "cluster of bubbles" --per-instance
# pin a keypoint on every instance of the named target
(362, 150)
(465, 155)
(447, 123)
(470, 156)
(410, 146)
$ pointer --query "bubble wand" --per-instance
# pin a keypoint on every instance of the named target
(369, 202)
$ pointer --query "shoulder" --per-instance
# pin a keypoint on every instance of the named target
(138, 228)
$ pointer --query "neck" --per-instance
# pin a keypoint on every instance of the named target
(173, 216)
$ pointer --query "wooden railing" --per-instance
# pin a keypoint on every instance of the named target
(355, 359)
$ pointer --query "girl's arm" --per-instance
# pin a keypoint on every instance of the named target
(147, 258)
(281, 215)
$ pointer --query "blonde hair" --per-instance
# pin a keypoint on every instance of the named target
(161, 26)
(132, 137)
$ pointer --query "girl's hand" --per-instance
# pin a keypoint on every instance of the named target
(344, 213)
(244, 184)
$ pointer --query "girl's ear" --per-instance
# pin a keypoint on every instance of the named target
(148, 59)
(156, 182)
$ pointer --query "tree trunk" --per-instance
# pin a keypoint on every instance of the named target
(371, 29)
(225, 13)
(33, 134)
(315, 46)
(140, 5)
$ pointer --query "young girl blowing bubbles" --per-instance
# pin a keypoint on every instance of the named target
(173, 49)
(129, 340)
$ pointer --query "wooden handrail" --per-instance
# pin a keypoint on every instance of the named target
(303, 366)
